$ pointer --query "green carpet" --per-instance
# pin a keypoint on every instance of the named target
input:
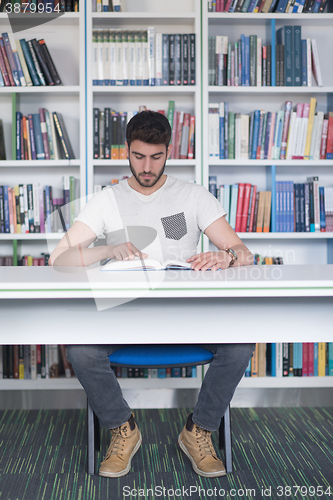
(276, 451)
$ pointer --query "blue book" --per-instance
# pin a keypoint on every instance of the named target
(222, 131)
(251, 134)
(226, 130)
(297, 208)
(281, 6)
(30, 63)
(226, 200)
(252, 5)
(2, 83)
(322, 209)
(19, 117)
(175, 372)
(284, 36)
(287, 207)
(247, 61)
(316, 7)
(297, 55)
(213, 185)
(315, 359)
(255, 134)
(304, 64)
(302, 208)
(47, 210)
(330, 358)
(268, 130)
(243, 58)
(233, 205)
(301, 6)
(277, 207)
(165, 59)
(248, 370)
(6, 209)
(161, 373)
(38, 137)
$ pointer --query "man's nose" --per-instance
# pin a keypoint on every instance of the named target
(147, 165)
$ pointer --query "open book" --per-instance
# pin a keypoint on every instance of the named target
(137, 264)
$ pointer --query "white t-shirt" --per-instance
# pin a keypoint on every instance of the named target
(166, 224)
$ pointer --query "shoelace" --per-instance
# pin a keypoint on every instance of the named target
(117, 442)
(204, 441)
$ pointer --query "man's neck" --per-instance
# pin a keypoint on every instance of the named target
(133, 183)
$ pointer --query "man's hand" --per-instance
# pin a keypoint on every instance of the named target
(210, 260)
(126, 251)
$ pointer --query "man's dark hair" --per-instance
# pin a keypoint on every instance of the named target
(150, 127)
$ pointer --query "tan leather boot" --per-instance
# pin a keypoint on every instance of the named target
(196, 443)
(125, 442)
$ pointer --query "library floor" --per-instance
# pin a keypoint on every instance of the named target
(276, 450)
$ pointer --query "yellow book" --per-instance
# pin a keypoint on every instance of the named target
(261, 208)
(321, 359)
(310, 128)
(262, 359)
(267, 211)
(30, 260)
(254, 362)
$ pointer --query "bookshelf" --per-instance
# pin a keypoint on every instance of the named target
(263, 173)
(68, 55)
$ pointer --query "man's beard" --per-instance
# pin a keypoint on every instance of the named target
(150, 182)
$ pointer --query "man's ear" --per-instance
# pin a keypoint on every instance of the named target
(127, 149)
(169, 149)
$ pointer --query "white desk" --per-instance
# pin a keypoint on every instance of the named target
(249, 304)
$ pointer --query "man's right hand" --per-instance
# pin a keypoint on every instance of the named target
(126, 251)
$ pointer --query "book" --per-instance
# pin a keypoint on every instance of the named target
(137, 264)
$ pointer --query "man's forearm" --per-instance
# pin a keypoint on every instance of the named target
(244, 256)
(78, 256)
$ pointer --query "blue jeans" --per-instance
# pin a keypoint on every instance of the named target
(92, 368)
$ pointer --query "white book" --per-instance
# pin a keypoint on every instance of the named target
(54, 138)
(226, 200)
(298, 130)
(304, 127)
(137, 264)
(131, 58)
(245, 126)
(316, 201)
(238, 136)
(259, 57)
(320, 121)
(95, 57)
(308, 61)
(26, 216)
(112, 55)
(279, 359)
(35, 196)
(221, 194)
(233, 205)
(291, 136)
(158, 59)
(23, 64)
(151, 56)
(125, 58)
(119, 59)
(53, 361)
(105, 5)
(213, 129)
(138, 58)
(315, 63)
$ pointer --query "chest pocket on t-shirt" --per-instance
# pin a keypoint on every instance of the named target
(174, 226)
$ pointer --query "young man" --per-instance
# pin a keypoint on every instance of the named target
(178, 212)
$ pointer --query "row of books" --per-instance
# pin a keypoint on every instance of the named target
(26, 63)
(32, 362)
(143, 57)
(113, 182)
(180, 371)
(42, 136)
(32, 208)
(110, 132)
(257, 6)
(39, 6)
(260, 260)
(299, 207)
(292, 133)
(108, 6)
(25, 260)
(291, 359)
(248, 62)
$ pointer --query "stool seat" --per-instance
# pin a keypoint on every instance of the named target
(160, 356)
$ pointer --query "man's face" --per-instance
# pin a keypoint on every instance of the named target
(147, 162)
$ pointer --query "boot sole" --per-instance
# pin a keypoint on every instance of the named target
(195, 467)
(124, 471)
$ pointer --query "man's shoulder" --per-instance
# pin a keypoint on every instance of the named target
(190, 186)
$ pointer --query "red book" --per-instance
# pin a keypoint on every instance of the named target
(305, 360)
(287, 112)
(323, 143)
(298, 130)
(311, 360)
(191, 138)
(178, 136)
(252, 208)
(3, 69)
(5, 57)
(239, 210)
(44, 133)
(247, 192)
(184, 138)
(329, 148)
(227, 5)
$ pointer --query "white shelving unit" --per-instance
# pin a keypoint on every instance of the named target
(169, 17)
(305, 247)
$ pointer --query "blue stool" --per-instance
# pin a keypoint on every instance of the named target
(158, 356)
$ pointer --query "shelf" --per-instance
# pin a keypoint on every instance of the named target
(158, 89)
(39, 163)
(252, 19)
(53, 89)
(124, 163)
(142, 19)
(285, 382)
(74, 384)
(285, 236)
(277, 163)
(31, 236)
(242, 89)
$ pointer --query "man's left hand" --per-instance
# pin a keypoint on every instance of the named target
(210, 260)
